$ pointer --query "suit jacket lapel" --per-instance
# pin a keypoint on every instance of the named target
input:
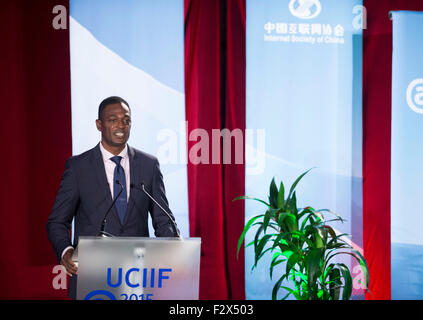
(134, 169)
(100, 173)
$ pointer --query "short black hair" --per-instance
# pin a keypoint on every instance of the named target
(108, 101)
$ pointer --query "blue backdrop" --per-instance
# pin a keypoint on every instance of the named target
(304, 61)
(407, 156)
(133, 49)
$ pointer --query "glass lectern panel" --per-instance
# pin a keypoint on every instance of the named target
(138, 268)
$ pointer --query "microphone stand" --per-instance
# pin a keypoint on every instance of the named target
(174, 227)
(102, 232)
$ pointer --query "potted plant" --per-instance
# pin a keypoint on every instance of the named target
(303, 239)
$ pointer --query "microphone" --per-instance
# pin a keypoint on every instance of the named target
(102, 232)
(174, 227)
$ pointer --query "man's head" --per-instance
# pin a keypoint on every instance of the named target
(114, 123)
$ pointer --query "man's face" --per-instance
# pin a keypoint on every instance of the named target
(115, 125)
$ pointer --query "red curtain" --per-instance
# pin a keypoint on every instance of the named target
(234, 174)
(377, 68)
(36, 133)
(215, 99)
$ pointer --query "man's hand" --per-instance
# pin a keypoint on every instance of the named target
(67, 262)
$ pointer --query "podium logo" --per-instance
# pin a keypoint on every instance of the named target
(100, 295)
(415, 95)
(305, 9)
(131, 278)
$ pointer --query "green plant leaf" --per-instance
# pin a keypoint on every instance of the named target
(292, 204)
(318, 214)
(296, 293)
(280, 240)
(287, 253)
(292, 261)
(281, 196)
(270, 213)
(312, 260)
(275, 262)
(335, 283)
(257, 259)
(244, 232)
(301, 275)
(251, 198)
(266, 220)
(305, 210)
(308, 218)
(281, 218)
(257, 235)
(303, 237)
(290, 222)
(338, 240)
(250, 244)
(294, 185)
(286, 296)
(363, 263)
(311, 213)
(316, 235)
(347, 288)
(322, 236)
(276, 287)
(273, 194)
(338, 217)
(361, 260)
(336, 245)
(259, 248)
(332, 232)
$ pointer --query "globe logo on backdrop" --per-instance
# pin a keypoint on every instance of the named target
(415, 95)
(305, 9)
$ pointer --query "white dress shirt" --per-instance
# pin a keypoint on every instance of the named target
(110, 166)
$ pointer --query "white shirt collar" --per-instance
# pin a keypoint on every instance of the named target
(107, 155)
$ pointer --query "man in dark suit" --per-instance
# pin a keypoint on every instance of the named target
(94, 178)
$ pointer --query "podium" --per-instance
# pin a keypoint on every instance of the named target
(138, 268)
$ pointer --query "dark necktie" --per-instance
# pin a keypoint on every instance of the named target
(119, 175)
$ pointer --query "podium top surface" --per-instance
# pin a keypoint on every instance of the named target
(136, 239)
